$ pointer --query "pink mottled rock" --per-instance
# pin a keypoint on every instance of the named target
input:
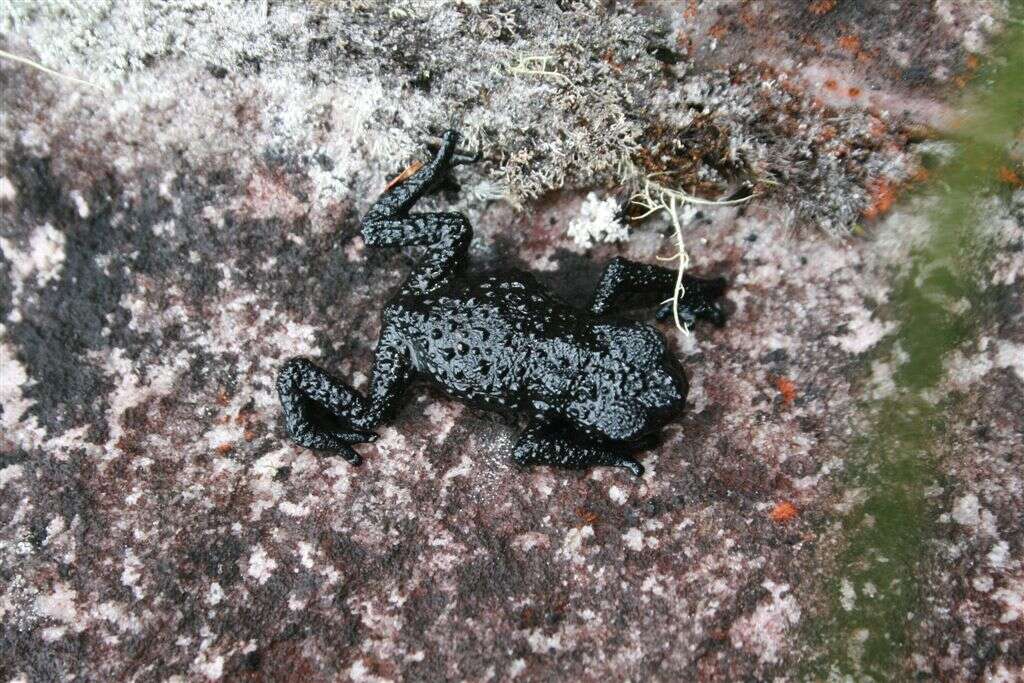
(167, 243)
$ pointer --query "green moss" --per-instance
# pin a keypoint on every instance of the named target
(886, 540)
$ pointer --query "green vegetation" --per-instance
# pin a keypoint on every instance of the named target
(875, 597)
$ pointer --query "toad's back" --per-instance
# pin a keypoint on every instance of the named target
(497, 340)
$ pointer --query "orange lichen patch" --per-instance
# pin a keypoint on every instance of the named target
(865, 57)
(810, 42)
(750, 19)
(883, 196)
(831, 84)
(718, 30)
(690, 13)
(921, 175)
(1008, 176)
(224, 448)
(828, 133)
(587, 516)
(877, 127)
(972, 62)
(783, 512)
(684, 44)
(853, 92)
(223, 398)
(409, 170)
(820, 7)
(787, 389)
(608, 57)
(850, 43)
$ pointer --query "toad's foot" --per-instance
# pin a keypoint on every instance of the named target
(630, 464)
(700, 301)
(624, 279)
(543, 444)
(319, 410)
(449, 152)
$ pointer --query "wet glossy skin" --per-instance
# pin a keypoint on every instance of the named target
(593, 387)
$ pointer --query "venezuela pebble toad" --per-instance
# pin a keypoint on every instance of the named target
(594, 388)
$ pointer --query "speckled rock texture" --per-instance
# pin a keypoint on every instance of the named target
(170, 236)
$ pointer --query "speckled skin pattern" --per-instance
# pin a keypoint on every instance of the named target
(593, 386)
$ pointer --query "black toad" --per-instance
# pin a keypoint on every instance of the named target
(595, 388)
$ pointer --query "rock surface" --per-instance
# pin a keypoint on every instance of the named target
(168, 240)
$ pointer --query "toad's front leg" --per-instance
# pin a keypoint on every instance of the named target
(545, 444)
(326, 414)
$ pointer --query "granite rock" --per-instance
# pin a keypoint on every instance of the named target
(168, 240)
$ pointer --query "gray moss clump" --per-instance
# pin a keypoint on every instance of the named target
(558, 94)
(396, 72)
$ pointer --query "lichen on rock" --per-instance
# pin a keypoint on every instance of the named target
(169, 239)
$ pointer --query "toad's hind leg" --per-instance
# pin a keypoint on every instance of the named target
(446, 236)
(545, 444)
(622, 278)
(324, 413)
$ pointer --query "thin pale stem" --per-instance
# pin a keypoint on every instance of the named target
(36, 65)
